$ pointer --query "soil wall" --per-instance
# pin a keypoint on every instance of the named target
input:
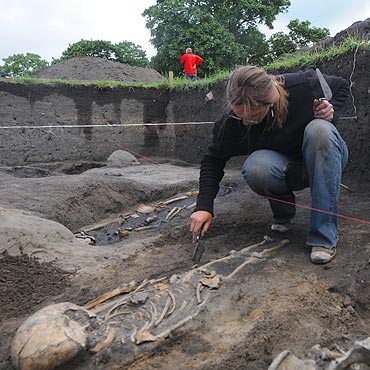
(31, 105)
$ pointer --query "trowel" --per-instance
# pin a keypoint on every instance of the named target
(198, 248)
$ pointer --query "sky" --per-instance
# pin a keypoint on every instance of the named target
(48, 27)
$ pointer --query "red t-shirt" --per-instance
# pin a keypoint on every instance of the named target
(190, 62)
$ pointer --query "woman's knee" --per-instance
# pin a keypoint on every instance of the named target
(253, 169)
(259, 170)
(319, 133)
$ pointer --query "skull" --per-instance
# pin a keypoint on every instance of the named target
(57, 334)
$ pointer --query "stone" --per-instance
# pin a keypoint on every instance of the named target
(121, 158)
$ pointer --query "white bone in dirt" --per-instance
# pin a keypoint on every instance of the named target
(359, 353)
(287, 361)
(140, 312)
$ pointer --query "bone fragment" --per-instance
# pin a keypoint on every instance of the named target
(144, 283)
(359, 353)
(148, 227)
(197, 292)
(105, 297)
(119, 314)
(156, 281)
(179, 209)
(192, 193)
(110, 335)
(191, 205)
(251, 259)
(154, 315)
(281, 244)
(168, 331)
(132, 336)
(212, 282)
(145, 209)
(164, 312)
(242, 252)
(89, 228)
(145, 336)
(287, 361)
(240, 267)
(173, 210)
(172, 296)
(169, 201)
(318, 353)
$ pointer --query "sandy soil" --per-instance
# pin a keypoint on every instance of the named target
(277, 303)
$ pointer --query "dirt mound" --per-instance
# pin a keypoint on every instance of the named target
(93, 69)
(24, 276)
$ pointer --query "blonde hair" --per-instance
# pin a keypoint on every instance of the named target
(251, 86)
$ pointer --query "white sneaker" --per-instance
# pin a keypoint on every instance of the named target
(322, 255)
(281, 228)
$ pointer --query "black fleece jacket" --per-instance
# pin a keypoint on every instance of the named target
(231, 138)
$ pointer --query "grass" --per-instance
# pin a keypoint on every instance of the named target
(99, 84)
(203, 83)
(178, 83)
(312, 58)
(307, 60)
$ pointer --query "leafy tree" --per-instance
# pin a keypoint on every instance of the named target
(303, 35)
(255, 47)
(300, 35)
(20, 65)
(128, 52)
(281, 43)
(224, 33)
(96, 48)
(124, 52)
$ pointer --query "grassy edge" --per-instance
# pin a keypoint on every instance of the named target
(310, 59)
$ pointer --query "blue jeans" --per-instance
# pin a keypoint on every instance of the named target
(191, 77)
(276, 175)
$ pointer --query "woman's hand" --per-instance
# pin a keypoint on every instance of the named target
(200, 220)
(323, 109)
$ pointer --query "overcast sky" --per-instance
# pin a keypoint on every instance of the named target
(48, 27)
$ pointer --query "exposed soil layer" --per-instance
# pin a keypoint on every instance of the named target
(281, 302)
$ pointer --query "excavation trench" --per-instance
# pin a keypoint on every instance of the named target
(146, 217)
(61, 185)
(279, 301)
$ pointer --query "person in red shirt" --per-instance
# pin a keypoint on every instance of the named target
(190, 62)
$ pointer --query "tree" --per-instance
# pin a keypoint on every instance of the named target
(300, 35)
(303, 35)
(90, 48)
(224, 33)
(134, 55)
(124, 52)
(21, 65)
(281, 43)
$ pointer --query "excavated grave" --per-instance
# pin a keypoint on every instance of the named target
(279, 302)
